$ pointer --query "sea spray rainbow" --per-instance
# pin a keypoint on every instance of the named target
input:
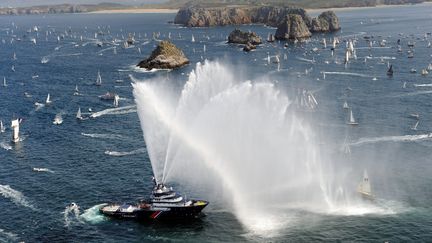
(240, 141)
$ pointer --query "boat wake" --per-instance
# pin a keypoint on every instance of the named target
(103, 136)
(92, 214)
(70, 214)
(73, 215)
(15, 196)
(36, 169)
(5, 145)
(120, 154)
(115, 111)
(404, 138)
(348, 74)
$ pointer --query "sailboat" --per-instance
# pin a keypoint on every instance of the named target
(276, 59)
(4, 82)
(345, 105)
(48, 99)
(76, 91)
(364, 188)
(352, 121)
(390, 71)
(98, 79)
(15, 127)
(116, 100)
(78, 115)
(415, 125)
(193, 38)
(2, 128)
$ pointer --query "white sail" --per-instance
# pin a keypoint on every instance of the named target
(15, 128)
(116, 100)
(2, 128)
(99, 79)
(352, 120)
(48, 99)
(364, 187)
(345, 105)
(78, 115)
(4, 82)
(193, 39)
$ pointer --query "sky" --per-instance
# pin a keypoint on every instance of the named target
(25, 3)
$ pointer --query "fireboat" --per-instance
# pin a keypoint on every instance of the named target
(163, 204)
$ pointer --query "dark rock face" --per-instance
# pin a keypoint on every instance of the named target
(327, 21)
(165, 56)
(294, 22)
(240, 37)
(293, 27)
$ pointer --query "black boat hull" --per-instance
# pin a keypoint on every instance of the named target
(165, 213)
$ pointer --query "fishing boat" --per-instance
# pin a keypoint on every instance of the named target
(15, 127)
(364, 188)
(58, 120)
(163, 204)
(107, 96)
(98, 79)
(351, 120)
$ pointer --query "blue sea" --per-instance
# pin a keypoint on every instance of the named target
(104, 159)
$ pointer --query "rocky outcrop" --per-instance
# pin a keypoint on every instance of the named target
(292, 28)
(165, 56)
(326, 22)
(241, 37)
(249, 47)
(292, 22)
(191, 16)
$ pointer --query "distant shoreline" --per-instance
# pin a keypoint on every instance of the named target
(135, 11)
(320, 10)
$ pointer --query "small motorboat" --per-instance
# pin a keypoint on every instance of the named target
(108, 96)
(58, 120)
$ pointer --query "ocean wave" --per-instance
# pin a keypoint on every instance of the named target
(404, 138)
(103, 136)
(15, 196)
(125, 153)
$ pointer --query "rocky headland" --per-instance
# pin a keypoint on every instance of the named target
(292, 22)
(165, 56)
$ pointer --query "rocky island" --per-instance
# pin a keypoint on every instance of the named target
(292, 22)
(165, 56)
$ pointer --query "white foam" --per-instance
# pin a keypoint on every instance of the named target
(404, 138)
(348, 74)
(70, 213)
(125, 153)
(115, 111)
(103, 136)
(15, 196)
(92, 215)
